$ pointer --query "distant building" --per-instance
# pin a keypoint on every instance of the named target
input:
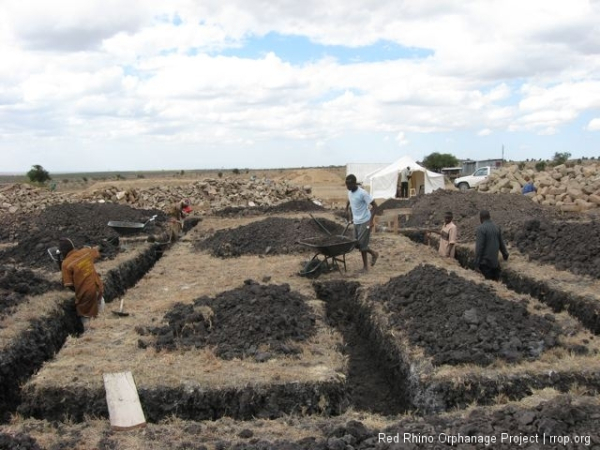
(468, 166)
(452, 172)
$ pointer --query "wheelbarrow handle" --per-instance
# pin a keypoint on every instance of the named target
(320, 225)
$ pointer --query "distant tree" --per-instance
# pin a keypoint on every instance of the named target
(38, 174)
(560, 158)
(436, 161)
(236, 171)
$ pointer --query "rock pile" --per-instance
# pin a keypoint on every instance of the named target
(569, 187)
(207, 194)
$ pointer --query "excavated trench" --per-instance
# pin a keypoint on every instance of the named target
(372, 378)
(454, 321)
(379, 373)
(583, 308)
(45, 336)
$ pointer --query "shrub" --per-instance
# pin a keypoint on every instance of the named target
(236, 171)
(38, 174)
(540, 166)
(560, 158)
(220, 174)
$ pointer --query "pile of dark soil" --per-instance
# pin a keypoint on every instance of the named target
(509, 211)
(273, 236)
(18, 441)
(566, 245)
(255, 320)
(457, 321)
(17, 284)
(83, 223)
(291, 206)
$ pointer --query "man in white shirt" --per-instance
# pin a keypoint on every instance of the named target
(405, 175)
(362, 217)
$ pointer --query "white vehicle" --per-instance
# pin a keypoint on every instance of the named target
(464, 183)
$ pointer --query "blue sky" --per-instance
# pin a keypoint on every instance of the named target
(155, 85)
(300, 50)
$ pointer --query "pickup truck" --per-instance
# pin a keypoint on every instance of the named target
(464, 183)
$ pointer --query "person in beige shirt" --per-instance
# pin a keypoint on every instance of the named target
(448, 237)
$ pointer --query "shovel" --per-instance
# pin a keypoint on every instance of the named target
(120, 312)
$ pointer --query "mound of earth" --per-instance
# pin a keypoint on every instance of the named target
(291, 206)
(83, 223)
(457, 321)
(274, 235)
(255, 320)
(17, 284)
(566, 245)
(509, 211)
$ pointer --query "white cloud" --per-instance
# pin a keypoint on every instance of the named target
(594, 124)
(152, 71)
(401, 139)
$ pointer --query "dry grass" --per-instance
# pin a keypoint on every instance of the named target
(183, 275)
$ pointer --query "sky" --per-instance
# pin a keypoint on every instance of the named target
(186, 84)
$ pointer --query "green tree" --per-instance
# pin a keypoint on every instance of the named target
(560, 158)
(38, 174)
(540, 166)
(435, 161)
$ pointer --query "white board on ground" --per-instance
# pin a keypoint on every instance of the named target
(124, 407)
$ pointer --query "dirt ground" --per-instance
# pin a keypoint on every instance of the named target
(190, 307)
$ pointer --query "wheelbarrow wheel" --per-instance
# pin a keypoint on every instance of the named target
(313, 268)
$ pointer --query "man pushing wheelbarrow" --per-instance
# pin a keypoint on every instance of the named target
(362, 217)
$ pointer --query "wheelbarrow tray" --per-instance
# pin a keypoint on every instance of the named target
(330, 246)
(123, 227)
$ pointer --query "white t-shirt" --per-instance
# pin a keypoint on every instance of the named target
(359, 203)
(405, 174)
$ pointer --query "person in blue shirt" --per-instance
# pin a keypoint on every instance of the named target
(528, 187)
(362, 217)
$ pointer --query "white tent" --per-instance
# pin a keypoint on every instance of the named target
(384, 182)
(363, 170)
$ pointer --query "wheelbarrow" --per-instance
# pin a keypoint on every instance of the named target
(330, 251)
(128, 228)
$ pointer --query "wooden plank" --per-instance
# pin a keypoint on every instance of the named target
(124, 408)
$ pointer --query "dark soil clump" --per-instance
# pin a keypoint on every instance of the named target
(17, 284)
(273, 236)
(18, 441)
(291, 206)
(509, 211)
(83, 223)
(258, 321)
(457, 321)
(567, 245)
